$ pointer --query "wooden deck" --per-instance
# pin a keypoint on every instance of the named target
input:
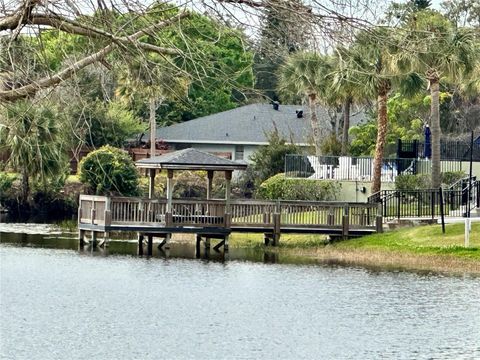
(219, 218)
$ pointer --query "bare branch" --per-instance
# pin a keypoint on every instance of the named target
(33, 87)
(251, 3)
(74, 27)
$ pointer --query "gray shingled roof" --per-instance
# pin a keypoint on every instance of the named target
(189, 159)
(247, 125)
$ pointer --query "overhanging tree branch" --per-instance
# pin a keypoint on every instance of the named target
(74, 28)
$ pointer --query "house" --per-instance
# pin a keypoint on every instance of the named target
(239, 132)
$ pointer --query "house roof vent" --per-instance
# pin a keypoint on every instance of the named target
(276, 105)
(299, 113)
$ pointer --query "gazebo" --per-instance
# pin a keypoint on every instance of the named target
(189, 159)
(216, 218)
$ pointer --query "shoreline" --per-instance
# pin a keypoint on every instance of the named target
(388, 260)
(421, 248)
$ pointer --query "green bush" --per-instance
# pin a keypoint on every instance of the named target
(278, 187)
(407, 182)
(109, 170)
(423, 181)
(451, 177)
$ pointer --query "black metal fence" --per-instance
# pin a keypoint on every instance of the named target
(357, 168)
(449, 150)
(457, 201)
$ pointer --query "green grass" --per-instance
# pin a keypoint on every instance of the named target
(420, 240)
(287, 240)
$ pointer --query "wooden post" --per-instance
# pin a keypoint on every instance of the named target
(168, 219)
(151, 184)
(149, 245)
(330, 217)
(228, 221)
(79, 220)
(209, 189)
(169, 190)
(169, 208)
(168, 237)
(108, 212)
(276, 229)
(198, 239)
(207, 243)
(94, 239)
(363, 217)
(225, 245)
(81, 238)
(468, 225)
(93, 212)
(345, 222)
(228, 181)
(140, 244)
(209, 184)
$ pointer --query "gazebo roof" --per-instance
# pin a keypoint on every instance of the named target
(189, 159)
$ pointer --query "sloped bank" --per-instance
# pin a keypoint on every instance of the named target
(419, 248)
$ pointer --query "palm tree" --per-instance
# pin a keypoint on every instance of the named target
(345, 91)
(156, 81)
(366, 67)
(438, 50)
(30, 135)
(305, 74)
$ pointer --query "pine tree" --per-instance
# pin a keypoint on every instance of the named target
(285, 31)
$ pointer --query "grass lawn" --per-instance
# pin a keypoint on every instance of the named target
(418, 248)
(422, 240)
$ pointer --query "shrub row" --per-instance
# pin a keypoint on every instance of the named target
(279, 187)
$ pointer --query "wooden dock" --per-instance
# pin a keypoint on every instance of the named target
(219, 218)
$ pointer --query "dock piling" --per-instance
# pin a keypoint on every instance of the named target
(94, 239)
(198, 239)
(140, 244)
(149, 245)
(81, 238)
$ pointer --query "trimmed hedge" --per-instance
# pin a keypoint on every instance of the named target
(279, 187)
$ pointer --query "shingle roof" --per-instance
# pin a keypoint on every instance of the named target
(189, 159)
(247, 124)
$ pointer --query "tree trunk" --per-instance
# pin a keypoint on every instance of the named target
(382, 124)
(346, 124)
(436, 133)
(314, 122)
(153, 127)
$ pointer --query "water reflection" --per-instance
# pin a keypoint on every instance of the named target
(65, 236)
(54, 237)
(65, 304)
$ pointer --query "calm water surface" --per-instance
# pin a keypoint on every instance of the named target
(59, 303)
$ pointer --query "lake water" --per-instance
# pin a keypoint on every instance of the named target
(59, 303)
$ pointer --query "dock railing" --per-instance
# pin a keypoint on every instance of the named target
(243, 214)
